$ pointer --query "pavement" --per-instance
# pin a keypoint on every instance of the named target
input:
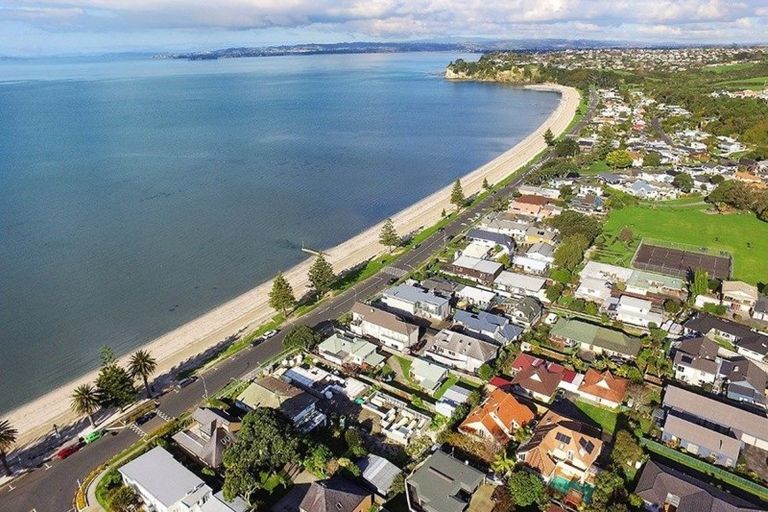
(50, 486)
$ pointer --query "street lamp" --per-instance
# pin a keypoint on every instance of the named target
(205, 388)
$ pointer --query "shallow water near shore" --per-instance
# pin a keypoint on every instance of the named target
(137, 194)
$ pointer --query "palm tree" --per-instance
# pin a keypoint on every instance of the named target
(503, 464)
(7, 439)
(85, 400)
(143, 365)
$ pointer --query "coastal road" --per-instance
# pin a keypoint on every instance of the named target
(51, 488)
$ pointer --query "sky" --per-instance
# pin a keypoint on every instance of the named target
(56, 27)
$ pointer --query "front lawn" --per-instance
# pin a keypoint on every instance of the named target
(450, 381)
(741, 234)
(606, 418)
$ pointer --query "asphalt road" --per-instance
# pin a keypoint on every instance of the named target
(52, 486)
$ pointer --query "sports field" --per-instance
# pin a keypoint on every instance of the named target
(741, 234)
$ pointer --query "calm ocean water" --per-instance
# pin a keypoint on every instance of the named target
(137, 194)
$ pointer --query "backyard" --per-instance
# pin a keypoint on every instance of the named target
(741, 234)
(604, 417)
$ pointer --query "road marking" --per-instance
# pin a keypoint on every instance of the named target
(164, 416)
(10, 488)
(47, 466)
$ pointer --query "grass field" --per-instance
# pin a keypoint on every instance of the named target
(606, 418)
(741, 234)
(757, 83)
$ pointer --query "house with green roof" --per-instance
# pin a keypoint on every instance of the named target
(428, 375)
(343, 350)
(594, 338)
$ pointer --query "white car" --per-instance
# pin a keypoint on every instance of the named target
(268, 334)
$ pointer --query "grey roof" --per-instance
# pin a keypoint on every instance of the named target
(492, 236)
(336, 494)
(699, 353)
(456, 395)
(483, 322)
(378, 472)
(722, 442)
(717, 412)
(657, 482)
(746, 337)
(414, 295)
(442, 481)
(745, 378)
(528, 307)
(761, 306)
(219, 504)
(163, 476)
(458, 343)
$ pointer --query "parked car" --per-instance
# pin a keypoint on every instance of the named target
(93, 436)
(184, 383)
(269, 334)
(68, 450)
(145, 418)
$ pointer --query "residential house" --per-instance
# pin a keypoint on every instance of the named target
(298, 405)
(723, 421)
(212, 430)
(603, 388)
(536, 259)
(475, 297)
(442, 484)
(594, 290)
(696, 361)
(590, 204)
(694, 436)
(531, 190)
(383, 326)
(506, 224)
(749, 343)
(453, 397)
(440, 286)
(744, 380)
(651, 284)
(487, 326)
(497, 418)
(492, 239)
(605, 272)
(536, 378)
(524, 311)
(164, 484)
(218, 503)
(475, 269)
(664, 488)
(532, 206)
(378, 473)
(417, 302)
(460, 351)
(633, 311)
(741, 297)
(521, 285)
(759, 312)
(594, 338)
(353, 351)
(397, 421)
(336, 494)
(562, 447)
(320, 382)
(541, 235)
(428, 375)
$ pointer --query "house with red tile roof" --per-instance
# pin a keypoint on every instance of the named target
(536, 378)
(497, 418)
(603, 388)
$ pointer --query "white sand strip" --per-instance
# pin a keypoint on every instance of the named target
(35, 419)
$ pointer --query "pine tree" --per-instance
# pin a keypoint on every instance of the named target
(549, 137)
(281, 296)
(457, 195)
(321, 276)
(388, 236)
(486, 185)
(700, 284)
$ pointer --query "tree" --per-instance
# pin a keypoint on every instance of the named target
(267, 441)
(566, 147)
(301, 336)
(486, 185)
(8, 436)
(355, 443)
(619, 159)
(526, 488)
(485, 372)
(684, 182)
(626, 452)
(700, 283)
(626, 235)
(549, 137)
(114, 383)
(321, 276)
(457, 195)
(316, 461)
(85, 400)
(554, 292)
(281, 296)
(500, 204)
(142, 365)
(571, 222)
(570, 252)
(123, 499)
(652, 159)
(610, 490)
(503, 464)
(388, 235)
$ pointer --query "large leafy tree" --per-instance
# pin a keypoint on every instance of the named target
(321, 276)
(114, 383)
(458, 199)
(281, 296)
(8, 436)
(684, 182)
(619, 158)
(142, 365)
(526, 488)
(124, 499)
(85, 400)
(626, 452)
(301, 336)
(570, 252)
(388, 236)
(566, 147)
(266, 442)
(574, 223)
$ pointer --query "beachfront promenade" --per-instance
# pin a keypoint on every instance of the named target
(52, 489)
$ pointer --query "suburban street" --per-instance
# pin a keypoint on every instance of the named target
(52, 486)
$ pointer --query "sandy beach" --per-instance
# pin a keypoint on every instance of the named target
(250, 309)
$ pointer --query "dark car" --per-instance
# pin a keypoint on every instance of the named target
(145, 418)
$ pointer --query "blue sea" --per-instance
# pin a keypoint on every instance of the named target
(138, 193)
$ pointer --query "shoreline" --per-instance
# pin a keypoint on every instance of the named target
(247, 311)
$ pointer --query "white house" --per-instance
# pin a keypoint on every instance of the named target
(513, 283)
(165, 485)
(537, 259)
(460, 351)
(453, 397)
(383, 326)
(634, 311)
(696, 361)
(417, 302)
(475, 296)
